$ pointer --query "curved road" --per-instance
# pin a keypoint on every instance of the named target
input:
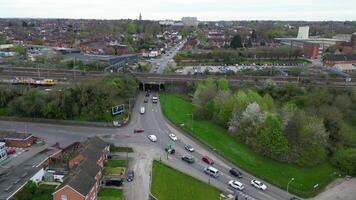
(153, 122)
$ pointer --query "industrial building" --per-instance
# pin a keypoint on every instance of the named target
(312, 47)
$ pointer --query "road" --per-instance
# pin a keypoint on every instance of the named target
(153, 122)
(159, 64)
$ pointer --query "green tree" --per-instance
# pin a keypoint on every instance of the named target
(271, 140)
(236, 42)
(21, 50)
(345, 159)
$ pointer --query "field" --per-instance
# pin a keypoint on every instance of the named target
(110, 194)
(170, 184)
(272, 171)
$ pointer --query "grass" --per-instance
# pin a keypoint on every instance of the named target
(114, 170)
(116, 163)
(41, 192)
(114, 148)
(277, 173)
(110, 194)
(170, 184)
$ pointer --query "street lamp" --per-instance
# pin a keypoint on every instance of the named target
(292, 179)
(192, 121)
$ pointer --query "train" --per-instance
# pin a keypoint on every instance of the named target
(33, 82)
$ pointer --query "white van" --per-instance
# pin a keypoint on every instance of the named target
(154, 99)
(211, 171)
(142, 110)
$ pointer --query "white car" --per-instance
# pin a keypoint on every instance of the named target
(153, 138)
(173, 137)
(258, 184)
(236, 185)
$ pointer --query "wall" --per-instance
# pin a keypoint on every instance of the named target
(71, 194)
(38, 176)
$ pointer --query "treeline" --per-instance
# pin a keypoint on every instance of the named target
(305, 126)
(90, 100)
(239, 55)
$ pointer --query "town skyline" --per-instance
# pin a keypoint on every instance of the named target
(207, 10)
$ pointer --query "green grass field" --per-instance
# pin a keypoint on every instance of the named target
(116, 163)
(177, 110)
(42, 192)
(110, 194)
(170, 184)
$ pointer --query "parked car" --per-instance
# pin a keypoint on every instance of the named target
(236, 185)
(188, 158)
(153, 138)
(208, 160)
(130, 175)
(258, 184)
(139, 130)
(235, 172)
(173, 137)
(294, 198)
(211, 171)
(189, 148)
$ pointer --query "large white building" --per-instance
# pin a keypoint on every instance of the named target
(190, 21)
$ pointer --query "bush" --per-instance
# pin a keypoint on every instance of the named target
(345, 159)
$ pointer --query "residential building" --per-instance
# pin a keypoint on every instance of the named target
(340, 59)
(15, 139)
(86, 166)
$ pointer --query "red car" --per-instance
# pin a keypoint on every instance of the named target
(208, 160)
(139, 130)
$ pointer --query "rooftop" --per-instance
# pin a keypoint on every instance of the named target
(14, 135)
(14, 177)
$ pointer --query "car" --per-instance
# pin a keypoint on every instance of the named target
(145, 100)
(169, 149)
(139, 130)
(142, 110)
(147, 94)
(211, 171)
(173, 137)
(235, 172)
(153, 138)
(189, 148)
(294, 198)
(207, 160)
(130, 175)
(188, 158)
(154, 99)
(258, 184)
(236, 185)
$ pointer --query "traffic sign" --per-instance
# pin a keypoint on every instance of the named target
(116, 110)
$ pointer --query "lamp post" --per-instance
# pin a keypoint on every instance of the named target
(192, 121)
(292, 179)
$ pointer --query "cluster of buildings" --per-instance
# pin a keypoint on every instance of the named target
(77, 170)
(166, 40)
(186, 21)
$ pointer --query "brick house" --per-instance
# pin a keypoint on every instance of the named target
(340, 59)
(83, 180)
(14, 139)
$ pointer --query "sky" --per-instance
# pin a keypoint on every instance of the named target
(205, 10)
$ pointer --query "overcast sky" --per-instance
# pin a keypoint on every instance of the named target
(175, 9)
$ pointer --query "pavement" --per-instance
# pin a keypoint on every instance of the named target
(146, 151)
(340, 189)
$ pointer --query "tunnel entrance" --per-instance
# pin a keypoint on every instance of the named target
(151, 86)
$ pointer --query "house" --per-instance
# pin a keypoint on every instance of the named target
(14, 178)
(340, 59)
(15, 139)
(83, 180)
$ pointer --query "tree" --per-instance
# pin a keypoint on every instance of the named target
(345, 159)
(271, 141)
(236, 42)
(21, 50)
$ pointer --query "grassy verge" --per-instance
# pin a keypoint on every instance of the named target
(170, 184)
(115, 167)
(110, 194)
(177, 110)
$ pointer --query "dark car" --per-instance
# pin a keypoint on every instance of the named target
(145, 100)
(208, 160)
(139, 130)
(188, 159)
(130, 175)
(235, 172)
(294, 198)
(147, 94)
